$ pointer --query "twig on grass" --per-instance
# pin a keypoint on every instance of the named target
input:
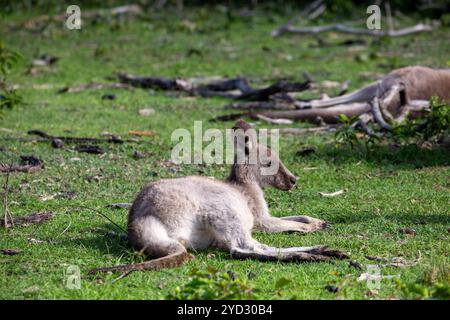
(119, 205)
(123, 275)
(7, 214)
(332, 194)
(100, 214)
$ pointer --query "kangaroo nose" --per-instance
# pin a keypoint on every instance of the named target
(293, 179)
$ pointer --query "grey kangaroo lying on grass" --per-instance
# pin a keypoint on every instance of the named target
(403, 93)
(172, 215)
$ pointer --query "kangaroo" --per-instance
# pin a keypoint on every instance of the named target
(401, 91)
(170, 216)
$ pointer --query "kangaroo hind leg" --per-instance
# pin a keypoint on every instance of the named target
(239, 242)
(294, 254)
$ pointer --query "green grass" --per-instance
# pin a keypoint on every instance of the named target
(388, 188)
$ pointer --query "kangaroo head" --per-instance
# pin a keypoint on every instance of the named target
(256, 162)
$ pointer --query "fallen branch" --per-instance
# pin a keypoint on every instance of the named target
(302, 131)
(312, 11)
(349, 30)
(33, 218)
(265, 93)
(222, 88)
(87, 148)
(328, 115)
(29, 164)
(262, 105)
(218, 87)
(273, 121)
(398, 262)
(47, 137)
(150, 82)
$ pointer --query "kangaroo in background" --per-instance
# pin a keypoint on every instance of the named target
(402, 94)
(170, 216)
(402, 91)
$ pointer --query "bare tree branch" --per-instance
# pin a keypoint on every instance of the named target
(302, 131)
(329, 115)
(309, 12)
(345, 29)
(218, 88)
(390, 21)
(273, 121)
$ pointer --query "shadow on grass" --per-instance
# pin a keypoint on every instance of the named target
(105, 238)
(400, 218)
(408, 156)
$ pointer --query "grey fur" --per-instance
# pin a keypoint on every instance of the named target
(172, 215)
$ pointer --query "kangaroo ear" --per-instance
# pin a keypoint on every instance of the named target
(249, 145)
(246, 137)
(241, 124)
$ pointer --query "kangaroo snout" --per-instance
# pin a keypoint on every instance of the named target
(293, 180)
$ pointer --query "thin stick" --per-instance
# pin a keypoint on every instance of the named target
(123, 275)
(5, 203)
(64, 231)
(390, 22)
(101, 214)
(306, 13)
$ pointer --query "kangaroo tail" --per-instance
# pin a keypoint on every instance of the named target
(363, 95)
(170, 261)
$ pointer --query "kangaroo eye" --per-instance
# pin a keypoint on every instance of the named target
(269, 164)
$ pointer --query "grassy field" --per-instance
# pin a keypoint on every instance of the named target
(388, 188)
